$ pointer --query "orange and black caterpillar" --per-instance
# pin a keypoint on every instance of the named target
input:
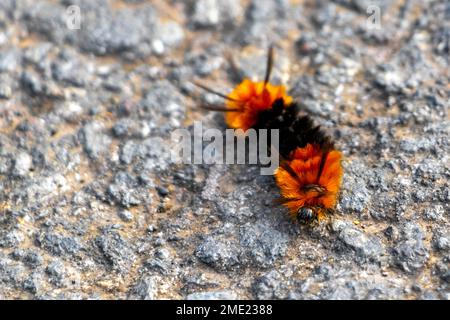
(310, 171)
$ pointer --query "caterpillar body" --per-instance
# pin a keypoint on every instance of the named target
(310, 171)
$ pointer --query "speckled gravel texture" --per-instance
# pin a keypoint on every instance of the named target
(91, 206)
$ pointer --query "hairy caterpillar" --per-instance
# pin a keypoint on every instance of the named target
(310, 171)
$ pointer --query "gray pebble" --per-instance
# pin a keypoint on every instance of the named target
(411, 254)
(116, 252)
(366, 247)
(95, 141)
(22, 164)
(58, 244)
(145, 289)
(125, 215)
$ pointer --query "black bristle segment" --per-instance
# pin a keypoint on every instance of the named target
(296, 130)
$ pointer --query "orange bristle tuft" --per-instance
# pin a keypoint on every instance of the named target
(307, 189)
(252, 98)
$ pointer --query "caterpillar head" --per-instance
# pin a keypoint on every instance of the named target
(306, 215)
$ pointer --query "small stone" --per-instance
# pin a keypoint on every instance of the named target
(269, 286)
(214, 13)
(70, 69)
(441, 241)
(33, 259)
(410, 254)
(366, 247)
(170, 33)
(36, 54)
(263, 244)
(354, 198)
(206, 13)
(131, 128)
(11, 239)
(33, 283)
(32, 83)
(116, 252)
(221, 254)
(57, 273)
(162, 191)
(69, 110)
(5, 91)
(95, 141)
(392, 80)
(161, 262)
(22, 164)
(124, 190)
(58, 244)
(125, 215)
(323, 272)
(433, 213)
(162, 92)
(145, 289)
(158, 47)
(391, 233)
(9, 60)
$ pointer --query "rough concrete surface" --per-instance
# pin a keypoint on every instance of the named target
(92, 207)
